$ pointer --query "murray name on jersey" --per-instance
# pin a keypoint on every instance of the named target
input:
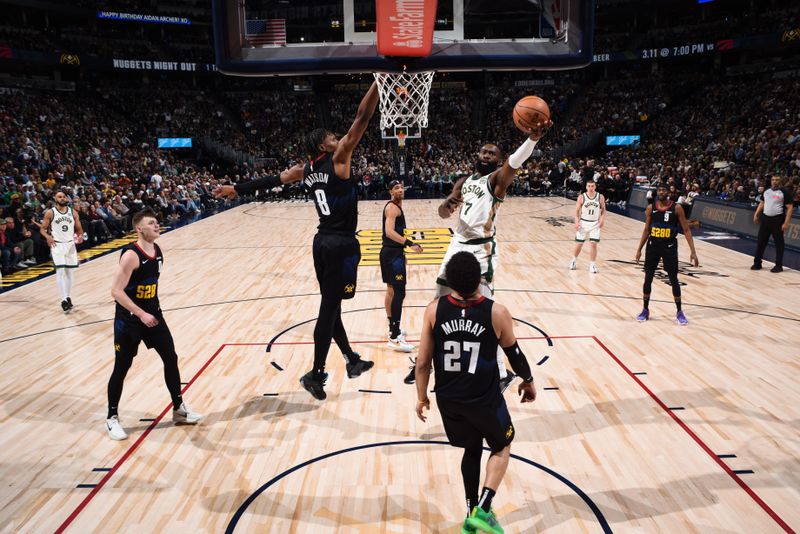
(463, 325)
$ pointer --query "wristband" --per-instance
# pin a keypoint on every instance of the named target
(408, 243)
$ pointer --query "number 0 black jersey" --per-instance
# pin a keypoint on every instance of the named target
(336, 200)
(142, 287)
(465, 351)
(399, 227)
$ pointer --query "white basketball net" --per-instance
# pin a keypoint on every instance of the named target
(404, 98)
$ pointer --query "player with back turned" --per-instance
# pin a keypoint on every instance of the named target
(461, 333)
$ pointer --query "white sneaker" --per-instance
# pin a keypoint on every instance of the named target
(402, 334)
(115, 430)
(400, 344)
(30, 262)
(185, 415)
(573, 264)
(593, 268)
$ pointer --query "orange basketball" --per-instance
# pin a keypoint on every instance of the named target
(529, 111)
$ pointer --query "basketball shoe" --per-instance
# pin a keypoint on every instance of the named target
(573, 264)
(65, 306)
(681, 318)
(466, 528)
(185, 416)
(505, 382)
(645, 315)
(314, 386)
(358, 366)
(484, 521)
(115, 430)
(593, 268)
(400, 344)
(69, 302)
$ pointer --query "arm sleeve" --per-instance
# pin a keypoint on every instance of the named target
(519, 364)
(266, 183)
(525, 150)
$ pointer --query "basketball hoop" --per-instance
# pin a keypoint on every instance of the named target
(404, 100)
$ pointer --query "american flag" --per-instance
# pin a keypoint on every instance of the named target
(262, 32)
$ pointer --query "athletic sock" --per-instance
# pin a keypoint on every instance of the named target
(678, 303)
(646, 299)
(486, 499)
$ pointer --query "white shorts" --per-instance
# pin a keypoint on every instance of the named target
(590, 228)
(486, 253)
(64, 254)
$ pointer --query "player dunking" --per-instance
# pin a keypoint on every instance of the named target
(461, 334)
(590, 214)
(138, 318)
(479, 196)
(662, 218)
(62, 230)
(393, 264)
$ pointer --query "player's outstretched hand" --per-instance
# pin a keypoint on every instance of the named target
(538, 131)
(293, 173)
(224, 191)
(417, 248)
(421, 406)
(527, 392)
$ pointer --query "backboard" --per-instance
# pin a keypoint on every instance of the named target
(289, 37)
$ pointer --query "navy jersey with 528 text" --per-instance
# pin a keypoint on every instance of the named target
(336, 200)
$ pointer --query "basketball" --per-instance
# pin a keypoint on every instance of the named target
(529, 111)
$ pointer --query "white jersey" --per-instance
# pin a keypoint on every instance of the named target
(479, 208)
(63, 226)
(590, 210)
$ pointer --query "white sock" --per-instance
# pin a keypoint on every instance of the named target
(61, 282)
(69, 277)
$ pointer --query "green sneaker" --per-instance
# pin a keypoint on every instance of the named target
(466, 528)
(484, 521)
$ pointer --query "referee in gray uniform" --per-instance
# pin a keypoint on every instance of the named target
(777, 208)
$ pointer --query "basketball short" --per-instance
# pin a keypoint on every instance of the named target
(467, 424)
(336, 260)
(129, 331)
(486, 254)
(654, 253)
(588, 228)
(64, 254)
(393, 265)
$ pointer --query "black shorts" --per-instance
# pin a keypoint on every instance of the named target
(656, 252)
(129, 331)
(393, 265)
(336, 260)
(467, 424)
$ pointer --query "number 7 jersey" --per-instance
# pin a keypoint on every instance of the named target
(479, 208)
(465, 351)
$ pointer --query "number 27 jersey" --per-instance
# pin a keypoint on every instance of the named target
(465, 351)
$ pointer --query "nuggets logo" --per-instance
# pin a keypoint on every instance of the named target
(398, 277)
(69, 59)
(510, 431)
(117, 347)
(349, 288)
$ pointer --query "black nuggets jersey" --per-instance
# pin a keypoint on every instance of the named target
(399, 227)
(465, 351)
(663, 225)
(335, 199)
(142, 286)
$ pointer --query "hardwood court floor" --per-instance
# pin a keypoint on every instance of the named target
(638, 427)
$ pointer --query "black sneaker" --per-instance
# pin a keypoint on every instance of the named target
(65, 306)
(756, 267)
(69, 302)
(505, 382)
(358, 367)
(313, 386)
(412, 375)
(776, 269)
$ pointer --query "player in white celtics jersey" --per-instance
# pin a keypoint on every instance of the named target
(480, 196)
(590, 214)
(61, 228)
